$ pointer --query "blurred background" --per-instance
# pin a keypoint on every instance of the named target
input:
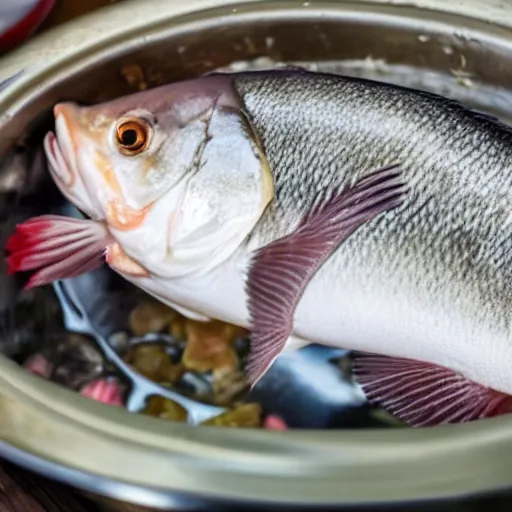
(67, 9)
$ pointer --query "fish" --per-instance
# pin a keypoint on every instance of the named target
(308, 208)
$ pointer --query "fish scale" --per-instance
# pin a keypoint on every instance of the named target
(457, 163)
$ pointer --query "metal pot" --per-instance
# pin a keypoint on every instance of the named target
(462, 49)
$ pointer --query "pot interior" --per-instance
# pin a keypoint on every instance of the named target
(445, 54)
(442, 55)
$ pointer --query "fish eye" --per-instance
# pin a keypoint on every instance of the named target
(132, 136)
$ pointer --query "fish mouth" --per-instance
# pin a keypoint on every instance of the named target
(59, 165)
(63, 165)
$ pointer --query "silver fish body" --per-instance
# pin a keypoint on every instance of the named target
(197, 183)
(430, 280)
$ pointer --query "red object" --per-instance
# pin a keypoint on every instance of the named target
(39, 365)
(106, 391)
(274, 422)
(23, 28)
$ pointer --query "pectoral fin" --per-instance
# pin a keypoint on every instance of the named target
(56, 247)
(280, 271)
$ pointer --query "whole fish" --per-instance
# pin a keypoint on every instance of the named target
(275, 200)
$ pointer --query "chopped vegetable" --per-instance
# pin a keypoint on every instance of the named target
(165, 409)
(209, 346)
(246, 415)
(152, 361)
(151, 316)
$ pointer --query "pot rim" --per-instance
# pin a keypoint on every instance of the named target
(151, 462)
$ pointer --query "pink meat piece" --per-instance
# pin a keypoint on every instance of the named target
(274, 422)
(39, 365)
(106, 391)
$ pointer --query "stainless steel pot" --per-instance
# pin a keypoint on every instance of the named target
(463, 49)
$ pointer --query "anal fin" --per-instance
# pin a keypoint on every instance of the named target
(425, 395)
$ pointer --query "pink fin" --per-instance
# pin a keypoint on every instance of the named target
(425, 395)
(280, 272)
(59, 247)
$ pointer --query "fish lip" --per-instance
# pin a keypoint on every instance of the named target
(65, 144)
(59, 165)
(65, 170)
(63, 175)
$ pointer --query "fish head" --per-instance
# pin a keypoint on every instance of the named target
(115, 160)
(157, 167)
